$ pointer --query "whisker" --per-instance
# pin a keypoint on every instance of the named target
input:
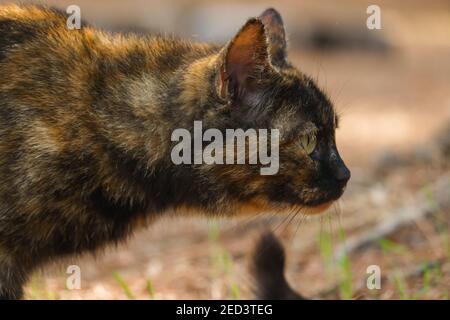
(338, 212)
(296, 211)
(330, 225)
(300, 222)
(283, 221)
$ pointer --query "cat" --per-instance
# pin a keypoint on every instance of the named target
(267, 268)
(86, 119)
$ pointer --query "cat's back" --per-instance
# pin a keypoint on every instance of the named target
(38, 51)
(20, 24)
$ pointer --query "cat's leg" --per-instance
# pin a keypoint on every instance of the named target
(13, 276)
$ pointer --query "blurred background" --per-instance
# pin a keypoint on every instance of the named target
(392, 88)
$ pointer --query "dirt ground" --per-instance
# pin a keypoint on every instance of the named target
(395, 213)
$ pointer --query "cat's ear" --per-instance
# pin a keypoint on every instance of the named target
(276, 35)
(244, 60)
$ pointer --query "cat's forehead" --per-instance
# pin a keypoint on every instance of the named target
(308, 100)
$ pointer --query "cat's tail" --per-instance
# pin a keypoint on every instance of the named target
(267, 269)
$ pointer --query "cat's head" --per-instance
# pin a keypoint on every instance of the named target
(260, 88)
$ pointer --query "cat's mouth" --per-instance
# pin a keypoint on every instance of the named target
(319, 204)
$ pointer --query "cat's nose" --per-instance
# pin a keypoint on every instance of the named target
(342, 174)
(340, 171)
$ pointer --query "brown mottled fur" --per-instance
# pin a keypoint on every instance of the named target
(86, 119)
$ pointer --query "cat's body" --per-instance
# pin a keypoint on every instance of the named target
(85, 134)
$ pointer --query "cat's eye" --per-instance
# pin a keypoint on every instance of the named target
(308, 142)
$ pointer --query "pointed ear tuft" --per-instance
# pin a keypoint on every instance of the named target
(276, 34)
(245, 59)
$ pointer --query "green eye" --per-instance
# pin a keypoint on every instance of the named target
(308, 142)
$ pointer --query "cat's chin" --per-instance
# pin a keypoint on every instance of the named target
(315, 210)
(257, 206)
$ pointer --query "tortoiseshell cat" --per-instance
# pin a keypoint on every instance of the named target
(85, 133)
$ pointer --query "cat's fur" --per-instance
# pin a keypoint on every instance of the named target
(268, 269)
(85, 133)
